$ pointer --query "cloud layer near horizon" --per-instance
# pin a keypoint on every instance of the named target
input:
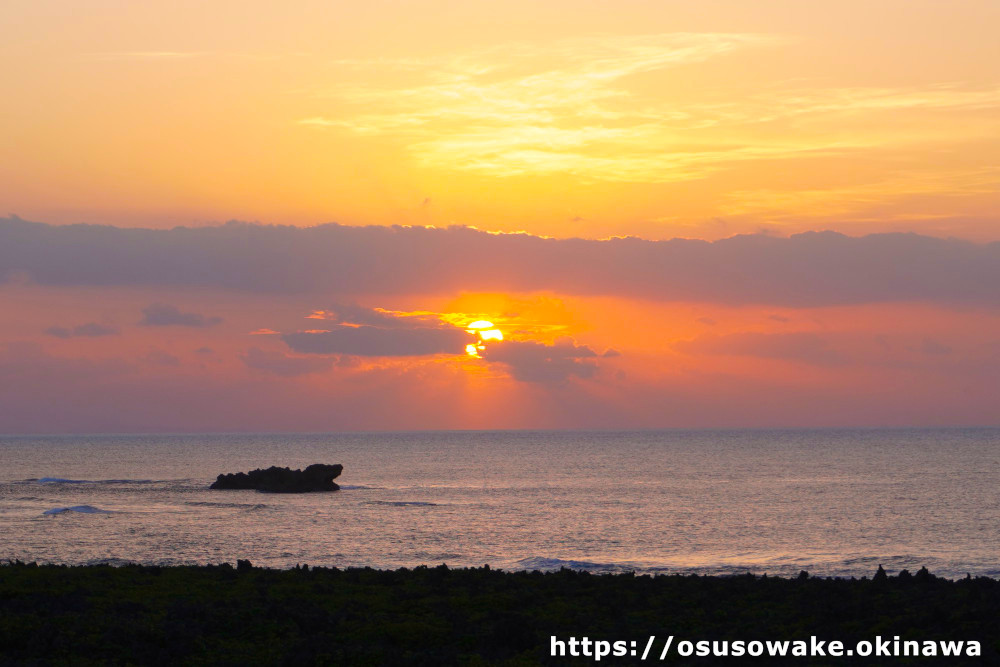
(810, 269)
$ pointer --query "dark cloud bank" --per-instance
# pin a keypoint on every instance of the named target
(811, 269)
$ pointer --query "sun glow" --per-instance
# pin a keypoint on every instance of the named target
(484, 331)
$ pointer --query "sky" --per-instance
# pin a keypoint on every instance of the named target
(229, 216)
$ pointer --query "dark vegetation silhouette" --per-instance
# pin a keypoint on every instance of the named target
(222, 615)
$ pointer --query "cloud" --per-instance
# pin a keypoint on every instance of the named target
(192, 56)
(767, 107)
(91, 329)
(165, 315)
(576, 106)
(357, 331)
(530, 361)
(355, 315)
(369, 341)
(804, 270)
(151, 55)
(857, 202)
(566, 106)
(804, 347)
(278, 363)
(376, 332)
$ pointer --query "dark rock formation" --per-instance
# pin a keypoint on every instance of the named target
(317, 477)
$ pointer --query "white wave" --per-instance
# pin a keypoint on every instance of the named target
(83, 509)
(61, 480)
(542, 563)
(402, 503)
(242, 506)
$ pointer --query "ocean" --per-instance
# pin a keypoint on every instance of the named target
(832, 502)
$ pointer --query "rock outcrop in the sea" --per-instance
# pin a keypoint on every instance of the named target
(317, 477)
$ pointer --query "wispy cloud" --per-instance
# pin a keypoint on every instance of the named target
(165, 55)
(150, 55)
(534, 109)
(851, 200)
(789, 102)
(575, 107)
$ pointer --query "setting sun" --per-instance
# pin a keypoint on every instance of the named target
(485, 331)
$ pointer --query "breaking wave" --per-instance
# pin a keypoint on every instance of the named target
(241, 506)
(82, 509)
(402, 503)
(61, 480)
(544, 564)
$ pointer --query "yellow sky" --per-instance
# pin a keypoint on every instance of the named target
(656, 119)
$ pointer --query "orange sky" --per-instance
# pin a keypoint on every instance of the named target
(560, 120)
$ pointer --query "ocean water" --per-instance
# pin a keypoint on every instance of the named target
(833, 502)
